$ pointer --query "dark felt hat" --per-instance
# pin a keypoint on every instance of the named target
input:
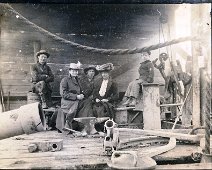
(91, 67)
(42, 52)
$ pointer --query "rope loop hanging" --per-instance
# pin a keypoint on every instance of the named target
(99, 50)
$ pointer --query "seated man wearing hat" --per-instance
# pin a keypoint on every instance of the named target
(41, 77)
(71, 95)
(146, 75)
(105, 92)
(85, 108)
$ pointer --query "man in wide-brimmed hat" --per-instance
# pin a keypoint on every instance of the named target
(41, 78)
(85, 108)
(71, 95)
(105, 92)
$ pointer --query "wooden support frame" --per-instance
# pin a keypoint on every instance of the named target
(37, 47)
(195, 17)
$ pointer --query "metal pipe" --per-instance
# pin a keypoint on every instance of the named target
(109, 126)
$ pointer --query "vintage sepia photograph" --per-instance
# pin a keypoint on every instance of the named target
(105, 85)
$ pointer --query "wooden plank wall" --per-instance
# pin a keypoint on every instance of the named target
(102, 26)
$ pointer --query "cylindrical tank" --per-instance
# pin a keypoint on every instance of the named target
(27, 119)
(33, 97)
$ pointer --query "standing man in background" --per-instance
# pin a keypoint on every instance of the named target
(41, 78)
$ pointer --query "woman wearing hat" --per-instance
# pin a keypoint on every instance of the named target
(86, 81)
(71, 95)
(41, 77)
(105, 92)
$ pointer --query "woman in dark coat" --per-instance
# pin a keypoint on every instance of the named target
(85, 108)
(105, 92)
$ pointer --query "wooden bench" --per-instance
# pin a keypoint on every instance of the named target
(129, 117)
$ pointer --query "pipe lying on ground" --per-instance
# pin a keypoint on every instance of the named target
(27, 119)
(178, 136)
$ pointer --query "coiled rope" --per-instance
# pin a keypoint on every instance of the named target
(99, 50)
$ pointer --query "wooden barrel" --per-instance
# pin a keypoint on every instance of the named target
(33, 97)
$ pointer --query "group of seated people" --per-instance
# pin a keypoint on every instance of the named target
(92, 94)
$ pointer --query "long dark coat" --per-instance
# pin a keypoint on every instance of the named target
(86, 86)
(85, 107)
(105, 109)
(69, 89)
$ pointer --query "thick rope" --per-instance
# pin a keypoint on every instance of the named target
(207, 115)
(98, 50)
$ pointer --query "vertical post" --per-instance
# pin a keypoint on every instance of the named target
(2, 109)
(172, 31)
(172, 52)
(202, 96)
(195, 19)
(207, 106)
(37, 47)
(151, 106)
(187, 110)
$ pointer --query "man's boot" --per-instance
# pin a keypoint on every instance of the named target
(66, 128)
(43, 100)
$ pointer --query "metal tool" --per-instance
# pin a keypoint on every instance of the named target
(111, 140)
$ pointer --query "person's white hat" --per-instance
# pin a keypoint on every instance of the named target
(75, 66)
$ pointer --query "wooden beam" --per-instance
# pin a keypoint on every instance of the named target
(170, 105)
(2, 108)
(195, 19)
(181, 52)
(179, 136)
(37, 47)
(172, 31)
(186, 166)
(147, 102)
